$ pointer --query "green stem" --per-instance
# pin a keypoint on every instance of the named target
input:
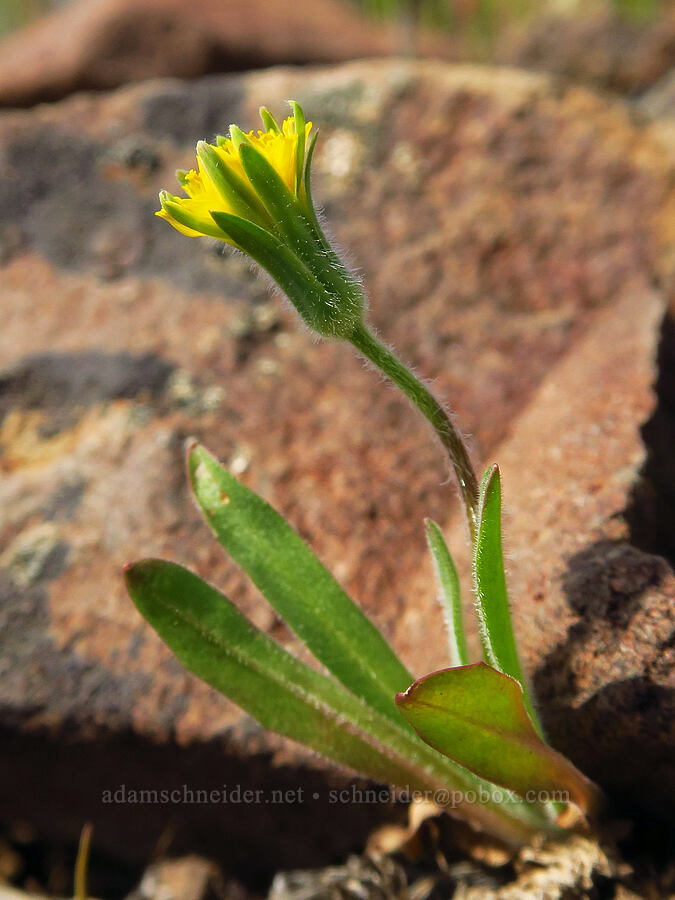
(374, 350)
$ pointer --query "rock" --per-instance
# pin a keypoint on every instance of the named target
(360, 876)
(36, 555)
(603, 48)
(572, 869)
(10, 893)
(100, 44)
(186, 878)
(514, 237)
(594, 614)
(575, 869)
(659, 100)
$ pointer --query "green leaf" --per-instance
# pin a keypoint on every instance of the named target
(344, 292)
(216, 642)
(298, 586)
(237, 136)
(321, 310)
(299, 118)
(450, 594)
(492, 602)
(281, 204)
(269, 122)
(475, 715)
(294, 278)
(310, 298)
(309, 203)
(233, 189)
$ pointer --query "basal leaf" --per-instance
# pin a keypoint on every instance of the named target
(492, 602)
(476, 716)
(450, 594)
(298, 586)
(216, 642)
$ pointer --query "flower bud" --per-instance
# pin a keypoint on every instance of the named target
(253, 192)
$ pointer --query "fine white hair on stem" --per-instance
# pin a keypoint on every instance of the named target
(428, 384)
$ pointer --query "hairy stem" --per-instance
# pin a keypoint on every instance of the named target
(375, 351)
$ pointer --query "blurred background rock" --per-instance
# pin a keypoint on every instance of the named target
(54, 47)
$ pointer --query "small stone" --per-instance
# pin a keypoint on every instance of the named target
(360, 877)
(186, 878)
(553, 872)
(10, 893)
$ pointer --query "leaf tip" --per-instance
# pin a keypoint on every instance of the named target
(138, 574)
(195, 454)
(401, 698)
(495, 477)
(491, 473)
(132, 574)
(191, 444)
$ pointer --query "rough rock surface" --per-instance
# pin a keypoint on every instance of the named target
(568, 871)
(515, 240)
(659, 101)
(101, 44)
(605, 49)
(595, 614)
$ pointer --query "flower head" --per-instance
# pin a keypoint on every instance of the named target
(253, 192)
(220, 182)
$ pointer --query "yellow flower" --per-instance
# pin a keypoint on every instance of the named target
(226, 187)
(253, 192)
(280, 149)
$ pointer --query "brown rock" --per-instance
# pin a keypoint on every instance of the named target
(100, 44)
(595, 615)
(505, 229)
(603, 48)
